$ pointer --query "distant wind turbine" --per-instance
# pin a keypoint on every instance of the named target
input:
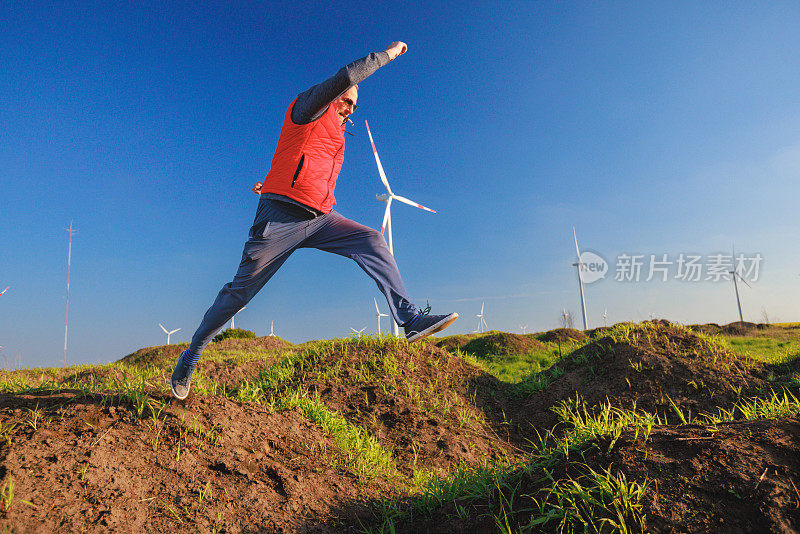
(388, 197)
(233, 325)
(358, 332)
(271, 331)
(735, 274)
(69, 265)
(580, 265)
(523, 327)
(481, 320)
(3, 291)
(169, 333)
(379, 314)
(605, 314)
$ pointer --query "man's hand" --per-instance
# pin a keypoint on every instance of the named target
(257, 187)
(396, 48)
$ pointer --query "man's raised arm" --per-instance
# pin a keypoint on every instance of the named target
(311, 104)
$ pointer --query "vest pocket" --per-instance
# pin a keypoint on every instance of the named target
(299, 168)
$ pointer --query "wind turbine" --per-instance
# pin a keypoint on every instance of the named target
(523, 327)
(358, 333)
(169, 333)
(271, 331)
(580, 265)
(3, 291)
(388, 197)
(734, 275)
(481, 320)
(605, 314)
(233, 325)
(379, 314)
(69, 265)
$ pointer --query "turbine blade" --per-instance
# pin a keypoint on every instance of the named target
(742, 279)
(376, 305)
(174, 331)
(386, 214)
(3, 291)
(378, 161)
(162, 328)
(412, 203)
(577, 250)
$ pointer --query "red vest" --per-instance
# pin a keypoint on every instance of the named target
(307, 161)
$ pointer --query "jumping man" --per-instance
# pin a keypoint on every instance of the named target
(295, 210)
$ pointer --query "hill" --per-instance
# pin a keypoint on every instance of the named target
(649, 427)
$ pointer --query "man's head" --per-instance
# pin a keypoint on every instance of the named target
(346, 103)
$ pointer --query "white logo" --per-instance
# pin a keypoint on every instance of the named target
(593, 267)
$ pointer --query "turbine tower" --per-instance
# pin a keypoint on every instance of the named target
(580, 265)
(735, 274)
(233, 324)
(388, 197)
(481, 320)
(69, 265)
(168, 332)
(271, 330)
(379, 314)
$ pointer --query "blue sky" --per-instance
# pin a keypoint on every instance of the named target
(653, 128)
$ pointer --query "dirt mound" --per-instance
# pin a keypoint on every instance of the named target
(652, 366)
(599, 331)
(265, 342)
(501, 344)
(711, 329)
(90, 464)
(562, 335)
(732, 479)
(738, 478)
(416, 399)
(166, 355)
(158, 356)
(452, 343)
(739, 328)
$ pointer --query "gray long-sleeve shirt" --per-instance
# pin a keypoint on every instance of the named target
(312, 103)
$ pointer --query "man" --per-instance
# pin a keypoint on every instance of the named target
(295, 210)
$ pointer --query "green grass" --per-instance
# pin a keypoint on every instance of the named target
(765, 349)
(366, 457)
(583, 497)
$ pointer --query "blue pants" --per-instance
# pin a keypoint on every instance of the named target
(281, 228)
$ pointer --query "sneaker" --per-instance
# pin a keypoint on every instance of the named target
(181, 380)
(424, 325)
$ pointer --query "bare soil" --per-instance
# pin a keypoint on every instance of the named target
(425, 414)
(740, 478)
(91, 466)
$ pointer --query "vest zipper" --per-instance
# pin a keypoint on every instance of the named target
(327, 196)
(299, 168)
